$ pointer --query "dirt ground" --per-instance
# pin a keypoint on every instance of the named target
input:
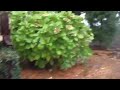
(102, 65)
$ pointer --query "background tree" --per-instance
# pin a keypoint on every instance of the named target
(103, 24)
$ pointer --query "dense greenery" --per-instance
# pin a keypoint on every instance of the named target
(9, 64)
(50, 37)
(105, 31)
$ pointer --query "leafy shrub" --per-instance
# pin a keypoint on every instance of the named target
(51, 37)
(9, 64)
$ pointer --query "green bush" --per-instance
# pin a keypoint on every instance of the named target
(50, 37)
(9, 64)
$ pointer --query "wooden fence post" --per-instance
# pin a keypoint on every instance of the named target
(5, 31)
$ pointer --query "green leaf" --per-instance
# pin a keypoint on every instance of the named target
(43, 55)
(22, 44)
(47, 20)
(32, 45)
(80, 36)
(48, 58)
(31, 58)
(42, 41)
(28, 47)
(41, 63)
(28, 40)
(59, 52)
(50, 44)
(37, 57)
(76, 39)
(17, 39)
(63, 34)
(35, 40)
(62, 47)
(40, 46)
(70, 47)
(65, 38)
(48, 39)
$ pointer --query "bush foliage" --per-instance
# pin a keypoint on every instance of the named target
(48, 37)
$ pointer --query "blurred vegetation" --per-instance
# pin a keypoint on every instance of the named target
(9, 64)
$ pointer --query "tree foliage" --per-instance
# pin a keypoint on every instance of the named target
(106, 28)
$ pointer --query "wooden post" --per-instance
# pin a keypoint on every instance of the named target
(5, 31)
